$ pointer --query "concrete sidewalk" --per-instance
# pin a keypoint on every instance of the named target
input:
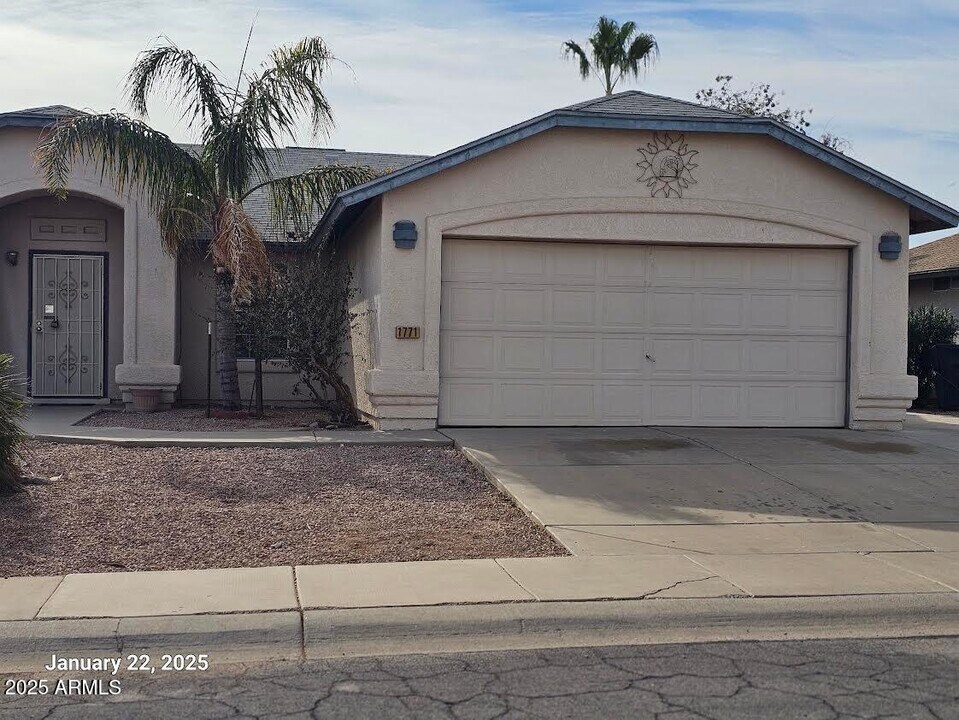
(247, 614)
(450, 582)
(57, 423)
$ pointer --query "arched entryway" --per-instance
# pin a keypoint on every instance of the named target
(62, 294)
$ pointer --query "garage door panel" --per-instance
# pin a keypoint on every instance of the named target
(671, 403)
(722, 310)
(522, 400)
(672, 355)
(574, 264)
(672, 309)
(624, 310)
(468, 353)
(825, 359)
(467, 306)
(821, 312)
(574, 308)
(572, 402)
(622, 355)
(720, 403)
(734, 336)
(624, 266)
(468, 401)
(721, 356)
(573, 354)
(769, 357)
(623, 403)
(770, 269)
(818, 269)
(818, 403)
(767, 311)
(672, 264)
(523, 354)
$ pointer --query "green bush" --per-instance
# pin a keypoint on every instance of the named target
(12, 434)
(928, 326)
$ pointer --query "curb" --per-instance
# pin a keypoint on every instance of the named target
(25, 646)
(293, 442)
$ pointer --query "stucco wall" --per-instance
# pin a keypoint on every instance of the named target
(15, 281)
(363, 253)
(921, 293)
(148, 289)
(582, 184)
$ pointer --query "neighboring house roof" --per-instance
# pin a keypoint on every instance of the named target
(635, 110)
(36, 117)
(937, 256)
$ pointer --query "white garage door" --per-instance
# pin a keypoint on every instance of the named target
(543, 333)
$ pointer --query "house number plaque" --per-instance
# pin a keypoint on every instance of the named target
(407, 333)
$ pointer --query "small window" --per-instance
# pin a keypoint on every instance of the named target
(941, 283)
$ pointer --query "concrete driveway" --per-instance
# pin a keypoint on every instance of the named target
(732, 492)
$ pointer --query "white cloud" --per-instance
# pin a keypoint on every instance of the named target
(427, 76)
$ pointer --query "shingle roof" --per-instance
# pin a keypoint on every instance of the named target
(634, 102)
(292, 160)
(937, 256)
(36, 117)
(635, 110)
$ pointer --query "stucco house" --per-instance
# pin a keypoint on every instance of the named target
(934, 274)
(630, 260)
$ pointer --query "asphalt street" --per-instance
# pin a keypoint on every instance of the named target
(912, 678)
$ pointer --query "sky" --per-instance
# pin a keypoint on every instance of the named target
(422, 77)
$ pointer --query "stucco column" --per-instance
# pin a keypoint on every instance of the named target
(149, 310)
(882, 391)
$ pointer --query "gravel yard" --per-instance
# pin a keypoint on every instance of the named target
(179, 419)
(115, 508)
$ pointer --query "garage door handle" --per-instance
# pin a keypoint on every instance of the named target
(650, 357)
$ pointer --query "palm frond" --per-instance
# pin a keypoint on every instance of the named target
(237, 248)
(297, 200)
(136, 158)
(642, 52)
(572, 48)
(196, 86)
(235, 156)
(185, 221)
(287, 89)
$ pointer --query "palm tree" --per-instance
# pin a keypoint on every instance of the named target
(198, 193)
(13, 438)
(615, 51)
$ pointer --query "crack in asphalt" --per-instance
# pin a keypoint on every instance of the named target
(823, 679)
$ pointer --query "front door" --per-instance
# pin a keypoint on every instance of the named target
(67, 326)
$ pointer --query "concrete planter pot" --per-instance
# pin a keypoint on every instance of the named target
(145, 400)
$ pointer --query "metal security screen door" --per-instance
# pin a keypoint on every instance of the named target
(67, 326)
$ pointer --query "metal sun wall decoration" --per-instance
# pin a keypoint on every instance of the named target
(667, 165)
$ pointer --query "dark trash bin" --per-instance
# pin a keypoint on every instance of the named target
(944, 360)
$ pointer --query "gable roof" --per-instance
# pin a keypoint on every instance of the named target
(937, 256)
(635, 110)
(37, 117)
(634, 102)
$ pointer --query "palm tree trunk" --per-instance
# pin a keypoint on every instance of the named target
(226, 343)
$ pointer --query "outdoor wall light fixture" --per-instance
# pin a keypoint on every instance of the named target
(13, 257)
(890, 246)
(404, 234)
